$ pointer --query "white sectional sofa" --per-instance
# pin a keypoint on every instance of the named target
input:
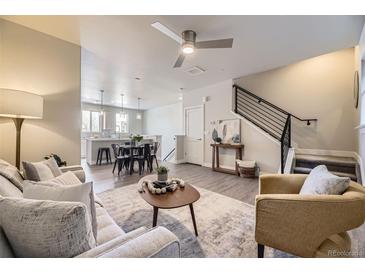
(112, 241)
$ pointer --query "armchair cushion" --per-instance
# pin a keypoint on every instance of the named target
(320, 181)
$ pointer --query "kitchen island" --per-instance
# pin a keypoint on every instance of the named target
(94, 143)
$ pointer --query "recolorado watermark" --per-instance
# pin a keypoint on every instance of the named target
(346, 254)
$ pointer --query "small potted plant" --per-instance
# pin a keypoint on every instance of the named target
(162, 173)
(136, 139)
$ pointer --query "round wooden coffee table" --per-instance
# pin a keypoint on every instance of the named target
(179, 198)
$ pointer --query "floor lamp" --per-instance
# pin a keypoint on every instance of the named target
(20, 105)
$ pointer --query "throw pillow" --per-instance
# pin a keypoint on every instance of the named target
(69, 178)
(12, 174)
(322, 182)
(40, 171)
(49, 190)
(46, 229)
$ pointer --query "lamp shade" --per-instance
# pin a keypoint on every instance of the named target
(20, 104)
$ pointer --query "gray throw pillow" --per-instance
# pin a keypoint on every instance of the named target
(48, 190)
(322, 182)
(46, 229)
(12, 174)
(41, 171)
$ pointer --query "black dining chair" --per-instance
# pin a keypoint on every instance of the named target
(154, 149)
(137, 155)
(147, 157)
(120, 159)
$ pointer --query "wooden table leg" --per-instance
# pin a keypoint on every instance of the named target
(217, 157)
(193, 217)
(213, 158)
(155, 214)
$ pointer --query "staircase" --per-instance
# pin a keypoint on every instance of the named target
(270, 118)
(340, 166)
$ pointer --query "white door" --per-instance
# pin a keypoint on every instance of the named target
(194, 135)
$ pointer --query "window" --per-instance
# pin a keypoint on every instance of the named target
(90, 121)
(85, 121)
(95, 121)
(121, 122)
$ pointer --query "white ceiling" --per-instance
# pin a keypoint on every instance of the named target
(117, 49)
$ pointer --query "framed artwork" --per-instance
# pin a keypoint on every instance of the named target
(229, 131)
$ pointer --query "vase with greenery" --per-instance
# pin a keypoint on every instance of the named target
(136, 139)
(162, 173)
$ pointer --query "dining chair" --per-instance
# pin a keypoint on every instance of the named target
(137, 155)
(120, 159)
(153, 155)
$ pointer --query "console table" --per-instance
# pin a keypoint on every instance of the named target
(215, 157)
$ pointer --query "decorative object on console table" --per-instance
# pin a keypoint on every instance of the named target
(162, 173)
(20, 105)
(230, 131)
(215, 157)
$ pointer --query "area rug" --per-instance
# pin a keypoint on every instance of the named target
(225, 225)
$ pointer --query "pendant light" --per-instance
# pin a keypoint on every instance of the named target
(139, 114)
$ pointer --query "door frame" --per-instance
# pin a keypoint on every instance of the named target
(202, 106)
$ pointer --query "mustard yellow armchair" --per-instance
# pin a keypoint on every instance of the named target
(306, 225)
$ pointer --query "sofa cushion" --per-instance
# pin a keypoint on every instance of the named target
(46, 228)
(40, 171)
(8, 189)
(322, 182)
(46, 190)
(5, 248)
(107, 228)
(12, 174)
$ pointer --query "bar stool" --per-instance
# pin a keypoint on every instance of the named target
(101, 150)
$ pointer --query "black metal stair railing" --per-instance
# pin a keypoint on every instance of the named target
(270, 118)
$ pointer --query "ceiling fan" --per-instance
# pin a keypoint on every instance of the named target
(188, 43)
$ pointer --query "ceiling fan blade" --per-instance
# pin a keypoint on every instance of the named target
(222, 43)
(165, 30)
(179, 61)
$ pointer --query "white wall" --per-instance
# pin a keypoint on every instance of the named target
(165, 121)
(135, 125)
(320, 87)
(218, 107)
(38, 63)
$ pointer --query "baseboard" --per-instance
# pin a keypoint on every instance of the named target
(206, 164)
(177, 161)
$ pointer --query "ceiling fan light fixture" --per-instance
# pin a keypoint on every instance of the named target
(188, 48)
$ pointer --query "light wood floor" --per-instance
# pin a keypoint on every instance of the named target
(229, 185)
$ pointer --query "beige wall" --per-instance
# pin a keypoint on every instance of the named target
(218, 107)
(38, 63)
(319, 87)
